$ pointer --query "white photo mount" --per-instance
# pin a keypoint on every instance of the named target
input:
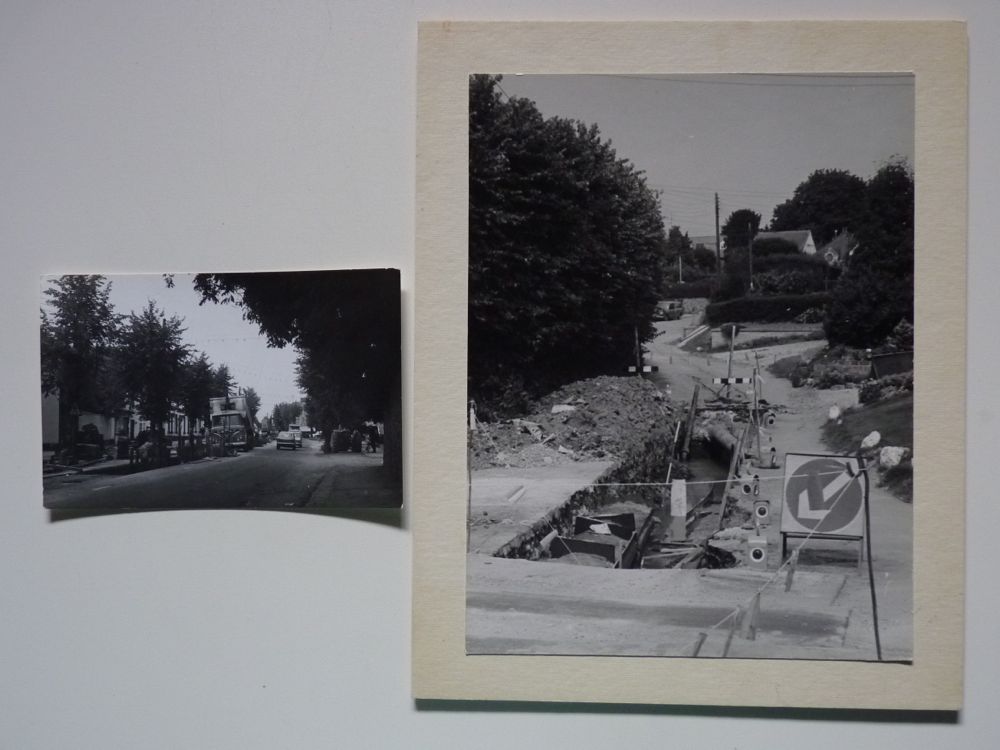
(936, 53)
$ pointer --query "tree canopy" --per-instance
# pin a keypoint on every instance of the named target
(252, 400)
(284, 414)
(77, 345)
(77, 338)
(566, 250)
(197, 386)
(875, 292)
(828, 201)
(151, 359)
(684, 260)
(223, 382)
(345, 325)
(740, 227)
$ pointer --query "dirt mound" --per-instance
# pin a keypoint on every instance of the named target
(588, 420)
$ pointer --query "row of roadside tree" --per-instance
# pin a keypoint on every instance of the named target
(95, 359)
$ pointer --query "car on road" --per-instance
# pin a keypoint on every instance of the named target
(669, 310)
(287, 439)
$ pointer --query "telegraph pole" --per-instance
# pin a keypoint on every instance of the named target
(718, 243)
(750, 250)
(638, 353)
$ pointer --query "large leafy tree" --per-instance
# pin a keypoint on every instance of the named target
(346, 323)
(253, 401)
(566, 250)
(875, 293)
(677, 252)
(197, 386)
(223, 382)
(152, 359)
(683, 259)
(78, 334)
(740, 226)
(284, 414)
(828, 201)
(338, 407)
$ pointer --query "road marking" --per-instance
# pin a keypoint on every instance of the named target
(102, 487)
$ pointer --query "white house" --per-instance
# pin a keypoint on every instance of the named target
(127, 421)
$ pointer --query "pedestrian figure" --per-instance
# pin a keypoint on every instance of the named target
(372, 443)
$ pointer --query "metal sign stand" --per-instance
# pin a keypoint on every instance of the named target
(855, 531)
(868, 541)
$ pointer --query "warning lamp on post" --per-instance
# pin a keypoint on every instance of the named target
(762, 512)
(750, 485)
(757, 552)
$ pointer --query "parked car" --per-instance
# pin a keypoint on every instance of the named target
(287, 439)
(669, 310)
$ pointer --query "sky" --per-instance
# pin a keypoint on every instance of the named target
(751, 138)
(217, 330)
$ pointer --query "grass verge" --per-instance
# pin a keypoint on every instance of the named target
(893, 418)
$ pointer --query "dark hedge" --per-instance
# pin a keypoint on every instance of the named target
(778, 308)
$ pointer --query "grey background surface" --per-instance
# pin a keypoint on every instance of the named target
(211, 136)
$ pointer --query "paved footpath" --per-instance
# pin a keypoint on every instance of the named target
(508, 503)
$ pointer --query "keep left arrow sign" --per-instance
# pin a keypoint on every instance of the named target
(815, 500)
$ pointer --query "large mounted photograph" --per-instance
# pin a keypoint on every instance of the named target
(267, 390)
(690, 365)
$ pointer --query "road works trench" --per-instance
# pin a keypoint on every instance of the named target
(597, 451)
(646, 433)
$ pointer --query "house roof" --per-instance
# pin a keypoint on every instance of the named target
(798, 237)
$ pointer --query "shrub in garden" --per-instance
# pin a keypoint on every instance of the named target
(812, 315)
(885, 387)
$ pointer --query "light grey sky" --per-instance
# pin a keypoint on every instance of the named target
(751, 138)
(217, 330)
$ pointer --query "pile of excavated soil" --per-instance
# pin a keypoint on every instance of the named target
(589, 420)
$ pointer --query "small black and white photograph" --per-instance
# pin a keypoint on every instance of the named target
(690, 366)
(262, 390)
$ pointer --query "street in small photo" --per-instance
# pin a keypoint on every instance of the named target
(690, 366)
(277, 390)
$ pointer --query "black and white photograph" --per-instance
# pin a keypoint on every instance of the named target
(266, 390)
(691, 365)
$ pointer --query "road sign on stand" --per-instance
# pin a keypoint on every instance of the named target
(823, 497)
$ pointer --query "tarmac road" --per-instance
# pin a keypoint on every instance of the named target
(264, 478)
